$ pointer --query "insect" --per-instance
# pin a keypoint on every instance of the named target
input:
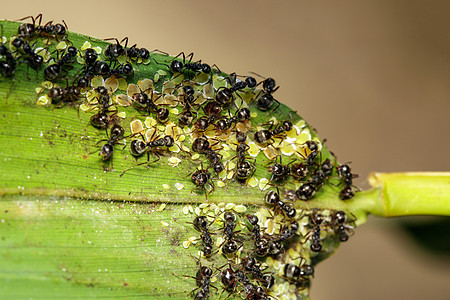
(273, 198)
(287, 233)
(241, 115)
(59, 95)
(252, 267)
(34, 29)
(202, 145)
(256, 230)
(155, 144)
(244, 168)
(300, 275)
(27, 54)
(344, 172)
(231, 244)
(339, 220)
(266, 100)
(186, 117)
(203, 282)
(201, 224)
(278, 170)
(7, 64)
(61, 67)
(316, 220)
(115, 135)
(102, 119)
(265, 136)
(177, 66)
(201, 178)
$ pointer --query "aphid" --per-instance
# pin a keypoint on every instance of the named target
(201, 224)
(115, 135)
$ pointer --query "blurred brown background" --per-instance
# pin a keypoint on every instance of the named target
(373, 77)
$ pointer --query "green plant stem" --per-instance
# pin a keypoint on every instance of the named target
(405, 194)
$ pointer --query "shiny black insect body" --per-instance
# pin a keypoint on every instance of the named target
(241, 115)
(266, 136)
(300, 275)
(202, 145)
(266, 100)
(115, 135)
(273, 198)
(340, 225)
(60, 95)
(253, 268)
(202, 178)
(33, 30)
(61, 67)
(231, 244)
(316, 220)
(104, 117)
(278, 170)
(244, 168)
(177, 66)
(8, 63)
(201, 224)
(344, 172)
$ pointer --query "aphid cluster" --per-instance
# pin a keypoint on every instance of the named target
(248, 246)
(223, 128)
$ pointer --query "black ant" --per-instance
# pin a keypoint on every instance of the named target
(338, 219)
(186, 117)
(201, 178)
(90, 57)
(32, 59)
(212, 110)
(299, 171)
(278, 170)
(287, 233)
(344, 172)
(230, 245)
(203, 282)
(241, 115)
(244, 169)
(256, 230)
(201, 224)
(138, 147)
(115, 135)
(225, 95)
(273, 198)
(49, 30)
(300, 275)
(201, 145)
(177, 66)
(55, 71)
(8, 65)
(145, 102)
(316, 220)
(101, 119)
(69, 94)
(265, 135)
(251, 266)
(266, 100)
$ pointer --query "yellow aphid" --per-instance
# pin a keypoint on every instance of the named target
(270, 152)
(287, 149)
(43, 100)
(132, 90)
(230, 206)
(186, 244)
(39, 90)
(240, 208)
(122, 114)
(84, 107)
(122, 100)
(150, 134)
(195, 156)
(253, 149)
(252, 182)
(303, 137)
(201, 78)
(166, 186)
(122, 84)
(97, 81)
(185, 210)
(208, 91)
(168, 87)
(263, 184)
(112, 84)
(174, 161)
(174, 111)
(197, 211)
(150, 122)
(179, 186)
(136, 126)
(85, 46)
(165, 224)
(161, 72)
(47, 84)
(161, 207)
(61, 45)
(177, 78)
